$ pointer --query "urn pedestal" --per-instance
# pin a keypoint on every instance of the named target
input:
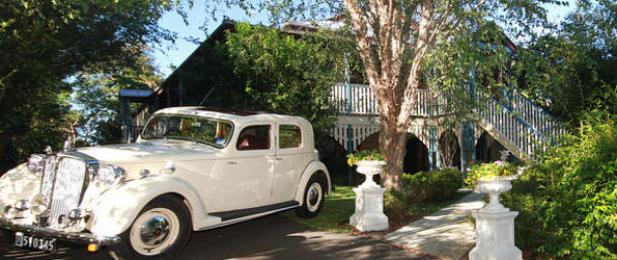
(369, 214)
(495, 225)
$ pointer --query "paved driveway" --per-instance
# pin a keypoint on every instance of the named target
(273, 237)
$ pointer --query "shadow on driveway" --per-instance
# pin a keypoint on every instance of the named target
(272, 237)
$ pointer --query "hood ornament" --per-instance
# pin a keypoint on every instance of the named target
(68, 144)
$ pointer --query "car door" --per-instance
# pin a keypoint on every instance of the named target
(245, 178)
(291, 159)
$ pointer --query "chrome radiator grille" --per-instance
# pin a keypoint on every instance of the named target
(63, 183)
(47, 183)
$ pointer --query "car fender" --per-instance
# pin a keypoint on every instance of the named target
(18, 184)
(311, 168)
(116, 209)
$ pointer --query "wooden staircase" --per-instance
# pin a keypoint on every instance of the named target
(518, 124)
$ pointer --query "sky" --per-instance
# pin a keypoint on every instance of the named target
(174, 54)
(170, 55)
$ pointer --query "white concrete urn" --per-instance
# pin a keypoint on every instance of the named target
(368, 215)
(369, 169)
(494, 187)
(495, 223)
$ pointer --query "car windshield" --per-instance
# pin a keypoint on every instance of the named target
(210, 131)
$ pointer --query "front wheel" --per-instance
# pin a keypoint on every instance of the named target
(160, 231)
(314, 194)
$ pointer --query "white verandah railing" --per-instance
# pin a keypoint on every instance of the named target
(525, 125)
(358, 99)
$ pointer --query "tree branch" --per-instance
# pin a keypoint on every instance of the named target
(364, 43)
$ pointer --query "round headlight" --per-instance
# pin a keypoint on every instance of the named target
(36, 164)
(38, 204)
(108, 174)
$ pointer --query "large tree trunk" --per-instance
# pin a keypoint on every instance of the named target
(392, 142)
(393, 81)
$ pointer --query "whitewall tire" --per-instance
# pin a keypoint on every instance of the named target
(160, 231)
(314, 196)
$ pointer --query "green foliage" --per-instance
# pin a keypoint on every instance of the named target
(44, 43)
(286, 73)
(337, 209)
(395, 203)
(435, 186)
(489, 171)
(470, 59)
(365, 155)
(95, 100)
(528, 196)
(568, 202)
(572, 70)
(424, 193)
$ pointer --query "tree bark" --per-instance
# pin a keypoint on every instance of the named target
(383, 34)
(392, 142)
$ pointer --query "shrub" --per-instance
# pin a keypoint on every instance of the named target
(568, 202)
(527, 197)
(395, 204)
(436, 186)
(488, 171)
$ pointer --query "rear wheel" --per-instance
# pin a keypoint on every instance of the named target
(314, 195)
(161, 230)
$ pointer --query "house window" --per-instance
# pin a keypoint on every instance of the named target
(290, 136)
(255, 137)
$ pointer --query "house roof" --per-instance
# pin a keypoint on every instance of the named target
(338, 22)
(217, 34)
(292, 27)
(227, 24)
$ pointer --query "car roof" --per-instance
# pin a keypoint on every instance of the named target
(238, 117)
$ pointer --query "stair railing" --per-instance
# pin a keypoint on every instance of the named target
(526, 125)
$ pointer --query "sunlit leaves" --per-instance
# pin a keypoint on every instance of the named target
(572, 70)
(46, 42)
(287, 73)
(570, 197)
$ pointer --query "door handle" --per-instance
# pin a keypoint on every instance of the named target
(275, 158)
(232, 163)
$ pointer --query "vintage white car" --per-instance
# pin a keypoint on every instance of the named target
(191, 169)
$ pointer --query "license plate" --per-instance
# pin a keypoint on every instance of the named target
(25, 241)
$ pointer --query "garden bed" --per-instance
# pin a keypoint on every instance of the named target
(339, 206)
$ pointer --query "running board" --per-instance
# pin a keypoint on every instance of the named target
(239, 213)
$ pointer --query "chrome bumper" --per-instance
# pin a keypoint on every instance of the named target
(73, 237)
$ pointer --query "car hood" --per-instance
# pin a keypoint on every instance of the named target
(152, 151)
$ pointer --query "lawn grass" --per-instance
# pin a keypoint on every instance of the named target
(339, 206)
(334, 216)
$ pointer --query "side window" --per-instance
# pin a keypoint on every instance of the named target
(255, 137)
(290, 136)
